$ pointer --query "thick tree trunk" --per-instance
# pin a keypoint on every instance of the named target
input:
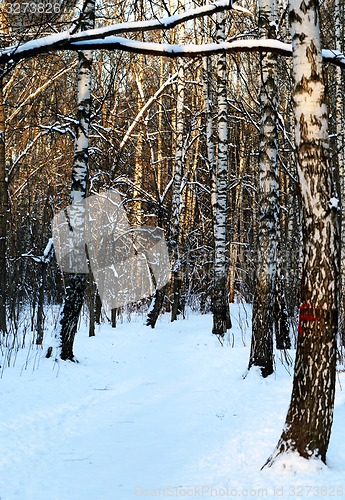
(340, 81)
(310, 415)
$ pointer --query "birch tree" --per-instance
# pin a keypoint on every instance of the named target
(177, 184)
(220, 301)
(269, 308)
(261, 354)
(75, 282)
(309, 419)
(340, 120)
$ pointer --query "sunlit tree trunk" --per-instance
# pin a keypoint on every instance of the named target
(309, 420)
(4, 207)
(75, 283)
(340, 81)
(139, 154)
(220, 300)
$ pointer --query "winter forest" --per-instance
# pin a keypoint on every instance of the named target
(217, 129)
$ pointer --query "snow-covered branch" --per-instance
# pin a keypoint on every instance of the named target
(63, 40)
(105, 38)
(189, 50)
(30, 49)
(196, 50)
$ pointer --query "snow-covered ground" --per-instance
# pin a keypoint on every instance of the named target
(154, 413)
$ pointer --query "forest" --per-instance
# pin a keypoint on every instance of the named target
(222, 126)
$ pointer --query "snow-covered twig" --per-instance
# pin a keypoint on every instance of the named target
(45, 258)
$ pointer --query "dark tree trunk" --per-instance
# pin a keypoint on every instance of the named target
(220, 309)
(92, 298)
(113, 317)
(176, 308)
(40, 305)
(98, 309)
(75, 289)
(43, 278)
(156, 307)
(281, 315)
(261, 352)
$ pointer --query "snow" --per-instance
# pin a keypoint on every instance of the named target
(154, 413)
(101, 38)
(334, 203)
(117, 42)
(59, 39)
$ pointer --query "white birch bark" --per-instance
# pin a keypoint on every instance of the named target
(210, 132)
(310, 415)
(263, 323)
(75, 283)
(139, 165)
(220, 301)
(178, 169)
(340, 103)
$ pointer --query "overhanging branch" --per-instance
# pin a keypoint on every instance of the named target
(61, 41)
(104, 38)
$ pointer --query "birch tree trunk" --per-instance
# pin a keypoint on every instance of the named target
(176, 207)
(281, 315)
(310, 415)
(75, 283)
(261, 353)
(139, 154)
(4, 207)
(220, 300)
(340, 81)
(178, 170)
